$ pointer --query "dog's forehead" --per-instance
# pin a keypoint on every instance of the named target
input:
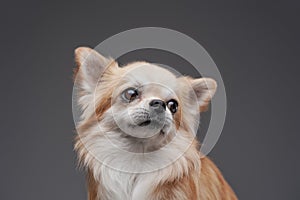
(145, 73)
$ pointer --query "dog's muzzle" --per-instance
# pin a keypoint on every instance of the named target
(154, 115)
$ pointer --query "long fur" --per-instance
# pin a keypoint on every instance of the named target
(190, 176)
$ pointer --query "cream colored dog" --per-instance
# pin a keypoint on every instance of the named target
(137, 134)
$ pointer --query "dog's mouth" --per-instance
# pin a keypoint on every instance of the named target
(145, 123)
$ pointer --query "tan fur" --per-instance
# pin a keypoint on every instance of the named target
(207, 184)
(189, 178)
(178, 118)
(92, 186)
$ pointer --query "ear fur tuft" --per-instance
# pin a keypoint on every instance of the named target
(204, 89)
(90, 67)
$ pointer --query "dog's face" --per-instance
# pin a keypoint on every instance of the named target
(141, 104)
(146, 105)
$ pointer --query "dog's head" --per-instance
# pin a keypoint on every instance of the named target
(141, 103)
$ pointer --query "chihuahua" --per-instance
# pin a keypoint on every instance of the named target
(136, 137)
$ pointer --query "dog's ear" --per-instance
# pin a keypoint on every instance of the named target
(204, 89)
(90, 66)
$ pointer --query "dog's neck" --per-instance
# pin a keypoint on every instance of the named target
(113, 184)
(110, 183)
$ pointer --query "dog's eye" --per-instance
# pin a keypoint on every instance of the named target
(130, 94)
(172, 105)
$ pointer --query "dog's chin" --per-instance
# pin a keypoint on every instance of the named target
(146, 129)
(147, 134)
(150, 142)
(142, 132)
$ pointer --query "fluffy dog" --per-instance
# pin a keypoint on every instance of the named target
(137, 133)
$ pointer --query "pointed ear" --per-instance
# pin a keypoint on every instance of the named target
(204, 89)
(90, 66)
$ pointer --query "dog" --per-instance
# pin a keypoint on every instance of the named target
(136, 137)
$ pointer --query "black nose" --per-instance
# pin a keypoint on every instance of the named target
(157, 103)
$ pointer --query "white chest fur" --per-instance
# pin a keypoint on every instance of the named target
(125, 186)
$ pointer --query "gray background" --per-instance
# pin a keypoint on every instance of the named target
(255, 44)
